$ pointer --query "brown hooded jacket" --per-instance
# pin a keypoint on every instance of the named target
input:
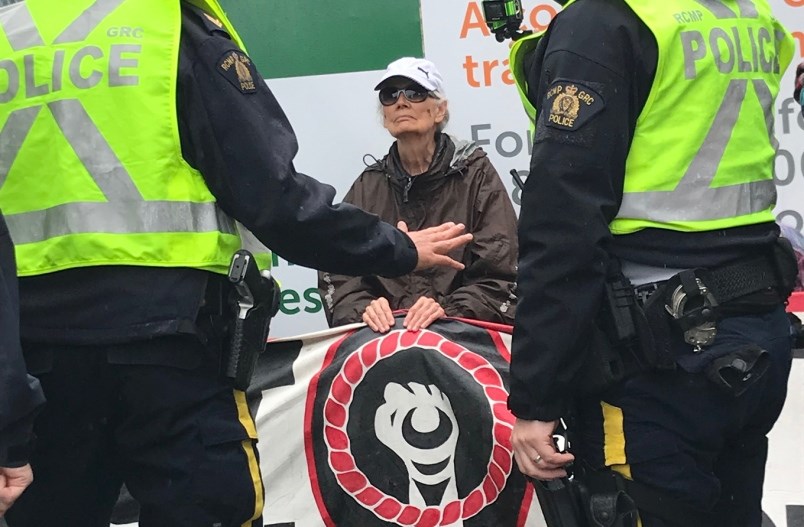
(461, 186)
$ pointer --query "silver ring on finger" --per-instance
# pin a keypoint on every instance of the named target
(537, 459)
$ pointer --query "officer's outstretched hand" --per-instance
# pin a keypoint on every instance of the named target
(535, 452)
(12, 482)
(434, 243)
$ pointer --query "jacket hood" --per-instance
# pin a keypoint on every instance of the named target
(463, 151)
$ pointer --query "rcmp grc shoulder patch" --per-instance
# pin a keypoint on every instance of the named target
(239, 70)
(570, 105)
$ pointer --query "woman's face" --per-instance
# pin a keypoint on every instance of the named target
(404, 117)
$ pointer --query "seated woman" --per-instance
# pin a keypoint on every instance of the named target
(426, 179)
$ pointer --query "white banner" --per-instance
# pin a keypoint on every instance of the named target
(396, 429)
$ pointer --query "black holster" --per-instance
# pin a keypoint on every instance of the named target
(739, 370)
(610, 500)
(604, 498)
(560, 503)
(249, 338)
(606, 502)
(609, 509)
(255, 302)
(572, 503)
(621, 343)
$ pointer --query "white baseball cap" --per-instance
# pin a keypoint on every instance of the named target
(420, 71)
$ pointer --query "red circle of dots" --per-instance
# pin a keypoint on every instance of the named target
(355, 482)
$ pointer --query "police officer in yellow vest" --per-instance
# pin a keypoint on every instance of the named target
(133, 133)
(652, 163)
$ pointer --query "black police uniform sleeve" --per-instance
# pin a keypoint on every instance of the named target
(236, 134)
(573, 191)
(20, 394)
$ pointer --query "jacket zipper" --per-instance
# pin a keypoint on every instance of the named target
(408, 184)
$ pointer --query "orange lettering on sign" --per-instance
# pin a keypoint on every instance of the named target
(473, 19)
(799, 36)
(469, 65)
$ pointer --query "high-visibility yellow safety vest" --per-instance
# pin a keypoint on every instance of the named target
(91, 169)
(703, 152)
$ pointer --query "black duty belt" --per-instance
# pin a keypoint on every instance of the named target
(728, 282)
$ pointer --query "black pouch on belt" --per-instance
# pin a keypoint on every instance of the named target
(739, 370)
(662, 329)
(621, 342)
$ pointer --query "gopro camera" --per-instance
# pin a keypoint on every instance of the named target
(504, 18)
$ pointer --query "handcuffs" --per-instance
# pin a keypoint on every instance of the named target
(699, 322)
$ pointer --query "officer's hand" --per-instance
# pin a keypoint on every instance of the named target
(535, 452)
(423, 313)
(12, 482)
(434, 243)
(378, 315)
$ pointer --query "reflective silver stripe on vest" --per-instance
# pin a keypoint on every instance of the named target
(92, 149)
(766, 100)
(720, 10)
(19, 27)
(125, 211)
(693, 199)
(82, 26)
(122, 217)
(14, 132)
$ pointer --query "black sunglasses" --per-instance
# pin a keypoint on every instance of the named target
(389, 96)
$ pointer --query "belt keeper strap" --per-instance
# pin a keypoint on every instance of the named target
(736, 280)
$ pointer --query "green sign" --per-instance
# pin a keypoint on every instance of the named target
(306, 37)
